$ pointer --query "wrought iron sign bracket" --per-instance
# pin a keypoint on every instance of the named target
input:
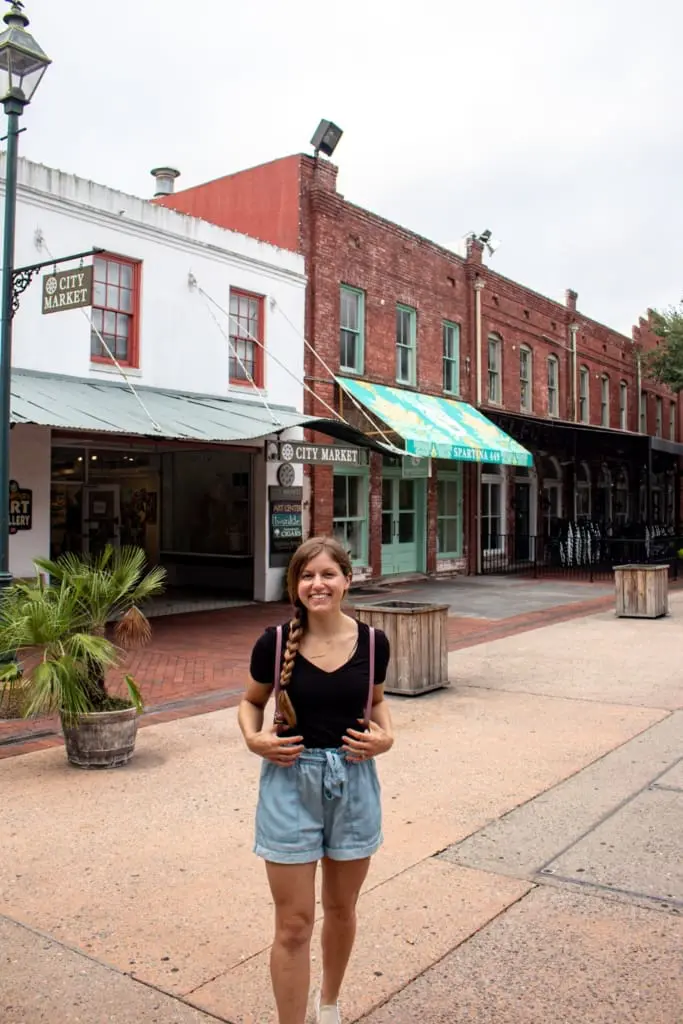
(22, 276)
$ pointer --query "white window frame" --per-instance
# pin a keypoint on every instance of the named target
(488, 480)
(403, 345)
(584, 394)
(526, 379)
(495, 369)
(450, 478)
(553, 387)
(362, 475)
(659, 417)
(553, 485)
(450, 337)
(623, 405)
(604, 400)
(358, 332)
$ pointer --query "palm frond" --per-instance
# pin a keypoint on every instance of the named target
(134, 694)
(133, 630)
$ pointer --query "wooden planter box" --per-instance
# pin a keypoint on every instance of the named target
(419, 649)
(642, 591)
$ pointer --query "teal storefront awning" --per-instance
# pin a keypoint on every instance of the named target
(438, 428)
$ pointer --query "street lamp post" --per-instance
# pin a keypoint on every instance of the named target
(22, 66)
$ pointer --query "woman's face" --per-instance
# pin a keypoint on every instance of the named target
(322, 585)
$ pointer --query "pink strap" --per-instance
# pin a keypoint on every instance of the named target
(371, 687)
(278, 659)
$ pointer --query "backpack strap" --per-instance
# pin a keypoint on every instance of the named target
(276, 670)
(371, 685)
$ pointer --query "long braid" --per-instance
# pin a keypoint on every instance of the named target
(295, 635)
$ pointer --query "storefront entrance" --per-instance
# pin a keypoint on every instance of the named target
(403, 533)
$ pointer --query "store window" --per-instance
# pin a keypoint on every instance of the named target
(115, 313)
(584, 395)
(582, 492)
(552, 494)
(350, 514)
(622, 499)
(492, 508)
(495, 369)
(449, 515)
(246, 338)
(352, 329)
(525, 379)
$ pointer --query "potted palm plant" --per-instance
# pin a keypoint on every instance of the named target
(58, 628)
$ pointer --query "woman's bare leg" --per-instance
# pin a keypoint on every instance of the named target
(342, 881)
(293, 889)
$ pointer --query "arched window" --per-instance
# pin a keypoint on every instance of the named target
(552, 493)
(553, 386)
(604, 496)
(584, 395)
(582, 492)
(495, 369)
(622, 498)
(492, 508)
(526, 388)
(604, 400)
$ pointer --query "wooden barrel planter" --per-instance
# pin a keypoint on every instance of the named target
(417, 634)
(642, 591)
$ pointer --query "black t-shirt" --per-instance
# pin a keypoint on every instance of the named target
(326, 703)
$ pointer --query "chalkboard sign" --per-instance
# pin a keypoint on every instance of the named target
(285, 521)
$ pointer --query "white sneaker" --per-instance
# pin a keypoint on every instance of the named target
(328, 1014)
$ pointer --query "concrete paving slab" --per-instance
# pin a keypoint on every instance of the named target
(404, 927)
(554, 958)
(673, 779)
(43, 982)
(649, 828)
(523, 842)
(165, 868)
(495, 597)
(600, 657)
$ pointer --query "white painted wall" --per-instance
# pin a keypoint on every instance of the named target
(181, 347)
(30, 467)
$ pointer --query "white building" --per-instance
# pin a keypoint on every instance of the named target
(165, 449)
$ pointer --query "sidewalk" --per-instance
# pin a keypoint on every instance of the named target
(531, 871)
(198, 662)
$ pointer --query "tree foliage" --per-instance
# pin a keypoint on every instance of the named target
(665, 364)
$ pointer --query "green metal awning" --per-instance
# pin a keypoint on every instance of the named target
(70, 403)
(438, 428)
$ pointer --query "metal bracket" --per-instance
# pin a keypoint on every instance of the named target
(22, 276)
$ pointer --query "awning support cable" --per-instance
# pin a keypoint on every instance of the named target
(113, 358)
(346, 391)
(272, 356)
(233, 350)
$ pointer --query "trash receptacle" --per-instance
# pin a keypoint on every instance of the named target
(417, 633)
(642, 591)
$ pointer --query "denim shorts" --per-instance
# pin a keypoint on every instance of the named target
(321, 806)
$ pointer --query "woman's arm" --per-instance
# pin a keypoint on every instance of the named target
(251, 710)
(381, 715)
(282, 750)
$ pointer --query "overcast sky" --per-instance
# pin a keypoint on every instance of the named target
(556, 125)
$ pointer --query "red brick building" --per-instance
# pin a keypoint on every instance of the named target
(392, 308)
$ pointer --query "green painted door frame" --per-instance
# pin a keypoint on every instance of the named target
(404, 503)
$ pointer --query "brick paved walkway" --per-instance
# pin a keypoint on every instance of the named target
(198, 662)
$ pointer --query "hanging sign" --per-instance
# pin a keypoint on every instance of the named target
(69, 289)
(20, 508)
(414, 468)
(315, 454)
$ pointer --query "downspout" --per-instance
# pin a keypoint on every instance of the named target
(639, 394)
(478, 288)
(573, 331)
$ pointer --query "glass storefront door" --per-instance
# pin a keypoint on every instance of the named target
(403, 535)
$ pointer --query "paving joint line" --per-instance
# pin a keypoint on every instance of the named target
(579, 700)
(109, 967)
(602, 891)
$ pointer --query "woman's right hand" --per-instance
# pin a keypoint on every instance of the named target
(281, 750)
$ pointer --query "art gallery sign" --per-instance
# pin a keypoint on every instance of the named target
(315, 454)
(69, 289)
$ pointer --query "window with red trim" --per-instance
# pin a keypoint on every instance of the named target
(246, 338)
(115, 310)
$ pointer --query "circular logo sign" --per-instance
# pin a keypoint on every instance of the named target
(285, 474)
(51, 285)
(287, 453)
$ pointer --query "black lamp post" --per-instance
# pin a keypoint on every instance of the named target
(22, 66)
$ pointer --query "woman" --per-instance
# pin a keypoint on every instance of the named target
(319, 795)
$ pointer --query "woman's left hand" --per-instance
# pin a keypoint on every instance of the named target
(361, 746)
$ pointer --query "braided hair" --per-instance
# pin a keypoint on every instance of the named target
(310, 549)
